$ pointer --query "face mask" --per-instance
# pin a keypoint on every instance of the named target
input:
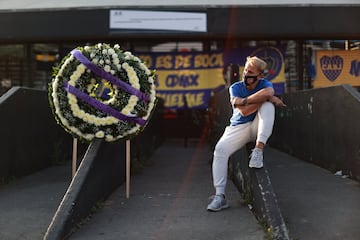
(248, 79)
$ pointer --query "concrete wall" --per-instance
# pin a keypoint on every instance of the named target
(321, 126)
(30, 139)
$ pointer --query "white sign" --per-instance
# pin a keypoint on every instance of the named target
(158, 20)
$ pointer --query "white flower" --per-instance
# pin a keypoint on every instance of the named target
(152, 92)
(126, 110)
(56, 102)
(72, 99)
(111, 51)
(74, 77)
(92, 119)
(81, 68)
(97, 122)
(143, 67)
(107, 68)
(109, 138)
(88, 137)
(133, 99)
(99, 134)
(116, 61)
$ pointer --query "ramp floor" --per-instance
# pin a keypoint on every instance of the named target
(27, 205)
(315, 203)
(168, 201)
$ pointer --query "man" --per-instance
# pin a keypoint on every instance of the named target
(253, 116)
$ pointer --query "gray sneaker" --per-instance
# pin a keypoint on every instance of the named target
(256, 158)
(218, 203)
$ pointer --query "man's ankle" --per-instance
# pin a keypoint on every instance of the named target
(221, 194)
(260, 145)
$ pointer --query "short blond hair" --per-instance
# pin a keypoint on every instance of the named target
(257, 62)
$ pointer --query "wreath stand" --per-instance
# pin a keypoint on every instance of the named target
(127, 168)
(74, 157)
(74, 164)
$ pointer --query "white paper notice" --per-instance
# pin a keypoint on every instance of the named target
(158, 20)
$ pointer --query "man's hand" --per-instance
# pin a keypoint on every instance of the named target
(277, 101)
(244, 107)
(238, 101)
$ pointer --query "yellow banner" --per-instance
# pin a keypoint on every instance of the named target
(189, 79)
(192, 77)
(337, 67)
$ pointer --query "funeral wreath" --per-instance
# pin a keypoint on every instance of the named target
(102, 91)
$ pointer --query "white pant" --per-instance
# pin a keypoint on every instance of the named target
(235, 137)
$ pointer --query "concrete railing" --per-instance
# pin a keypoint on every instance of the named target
(30, 139)
(321, 126)
(257, 191)
(100, 172)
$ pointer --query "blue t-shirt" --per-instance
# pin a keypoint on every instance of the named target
(239, 89)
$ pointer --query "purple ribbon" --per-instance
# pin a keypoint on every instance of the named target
(99, 105)
(114, 80)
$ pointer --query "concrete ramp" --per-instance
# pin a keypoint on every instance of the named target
(168, 201)
(315, 203)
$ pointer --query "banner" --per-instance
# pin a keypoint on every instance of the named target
(187, 80)
(334, 67)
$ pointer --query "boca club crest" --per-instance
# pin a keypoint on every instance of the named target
(331, 67)
(274, 59)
